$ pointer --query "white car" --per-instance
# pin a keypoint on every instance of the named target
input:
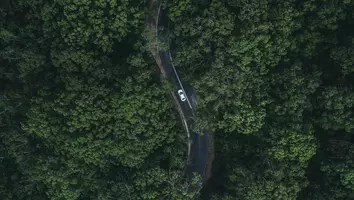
(181, 95)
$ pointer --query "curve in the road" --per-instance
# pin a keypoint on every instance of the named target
(198, 156)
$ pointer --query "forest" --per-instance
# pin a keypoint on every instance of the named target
(84, 114)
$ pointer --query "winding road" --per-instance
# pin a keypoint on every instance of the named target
(198, 151)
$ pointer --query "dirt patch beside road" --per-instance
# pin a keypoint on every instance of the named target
(211, 157)
(151, 27)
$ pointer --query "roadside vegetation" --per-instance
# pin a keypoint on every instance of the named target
(275, 83)
(84, 115)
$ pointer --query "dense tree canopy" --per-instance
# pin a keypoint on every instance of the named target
(274, 79)
(84, 114)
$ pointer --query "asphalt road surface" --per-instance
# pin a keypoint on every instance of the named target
(198, 159)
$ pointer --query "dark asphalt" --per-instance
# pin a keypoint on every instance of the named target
(199, 148)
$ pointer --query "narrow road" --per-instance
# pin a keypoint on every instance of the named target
(198, 159)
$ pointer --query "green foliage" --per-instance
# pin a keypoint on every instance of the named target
(343, 56)
(88, 23)
(82, 115)
(336, 104)
(337, 168)
(291, 145)
(274, 79)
